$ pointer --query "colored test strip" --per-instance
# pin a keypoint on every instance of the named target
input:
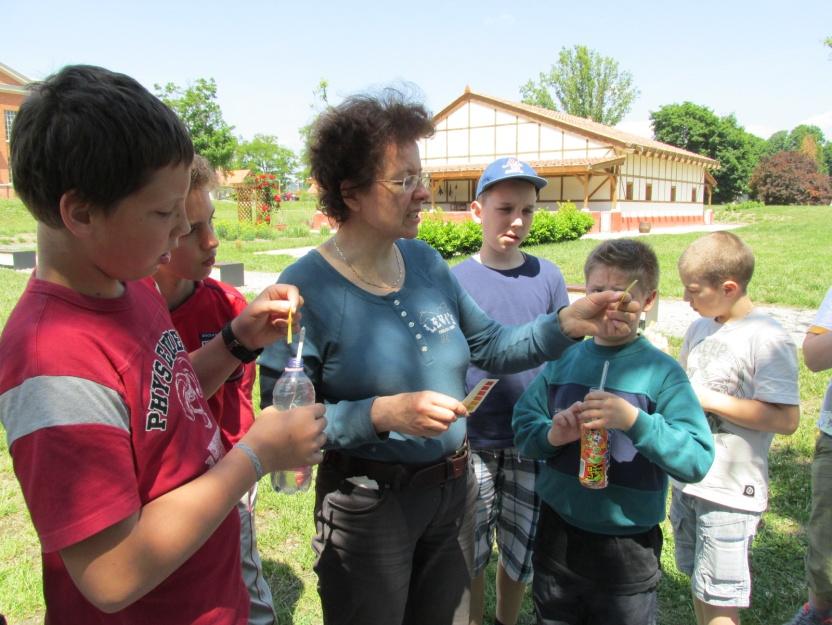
(289, 329)
(473, 400)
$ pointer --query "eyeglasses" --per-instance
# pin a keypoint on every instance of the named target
(409, 183)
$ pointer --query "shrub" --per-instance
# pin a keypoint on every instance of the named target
(565, 224)
(453, 239)
(297, 231)
(741, 206)
(247, 231)
(790, 178)
(449, 238)
(226, 230)
(324, 231)
(264, 231)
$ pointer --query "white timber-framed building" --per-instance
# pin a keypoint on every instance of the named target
(622, 179)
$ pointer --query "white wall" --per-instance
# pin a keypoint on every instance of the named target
(475, 133)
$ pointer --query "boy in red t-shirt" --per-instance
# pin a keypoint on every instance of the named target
(200, 306)
(118, 456)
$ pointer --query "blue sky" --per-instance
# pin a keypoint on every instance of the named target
(763, 61)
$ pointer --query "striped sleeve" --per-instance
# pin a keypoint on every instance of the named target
(70, 443)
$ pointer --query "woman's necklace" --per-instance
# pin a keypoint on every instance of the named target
(393, 285)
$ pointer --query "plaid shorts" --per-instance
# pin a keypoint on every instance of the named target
(508, 506)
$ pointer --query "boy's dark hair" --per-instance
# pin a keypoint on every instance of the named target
(634, 258)
(348, 142)
(95, 132)
(717, 257)
(203, 175)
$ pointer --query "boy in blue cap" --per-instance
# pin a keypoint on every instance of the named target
(513, 288)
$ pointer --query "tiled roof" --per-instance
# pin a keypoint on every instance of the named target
(570, 163)
(11, 78)
(231, 178)
(581, 126)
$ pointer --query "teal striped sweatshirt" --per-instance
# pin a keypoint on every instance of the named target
(670, 435)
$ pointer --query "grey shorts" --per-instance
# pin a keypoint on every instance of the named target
(713, 543)
(507, 506)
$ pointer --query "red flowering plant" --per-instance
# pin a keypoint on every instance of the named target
(267, 196)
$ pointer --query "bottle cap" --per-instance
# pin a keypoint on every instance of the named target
(294, 363)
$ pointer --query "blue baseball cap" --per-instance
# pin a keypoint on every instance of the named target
(506, 169)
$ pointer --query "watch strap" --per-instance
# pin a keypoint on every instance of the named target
(237, 349)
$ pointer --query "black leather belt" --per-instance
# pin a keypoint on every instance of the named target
(399, 476)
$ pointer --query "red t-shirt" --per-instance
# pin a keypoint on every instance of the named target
(104, 413)
(197, 320)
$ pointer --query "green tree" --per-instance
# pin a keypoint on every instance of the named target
(778, 142)
(827, 156)
(583, 83)
(319, 104)
(804, 138)
(810, 140)
(264, 155)
(698, 129)
(197, 107)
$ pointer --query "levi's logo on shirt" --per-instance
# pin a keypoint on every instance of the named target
(437, 321)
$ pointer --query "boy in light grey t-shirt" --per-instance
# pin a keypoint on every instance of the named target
(743, 366)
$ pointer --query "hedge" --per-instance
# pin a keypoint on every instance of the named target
(464, 238)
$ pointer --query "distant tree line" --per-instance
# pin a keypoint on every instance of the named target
(196, 105)
(791, 166)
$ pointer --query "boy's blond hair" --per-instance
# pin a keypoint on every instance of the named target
(718, 257)
(203, 175)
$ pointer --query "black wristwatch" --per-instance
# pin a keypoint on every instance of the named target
(237, 349)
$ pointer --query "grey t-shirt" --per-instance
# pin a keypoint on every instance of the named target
(750, 358)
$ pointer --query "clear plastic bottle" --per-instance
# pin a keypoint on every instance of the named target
(293, 390)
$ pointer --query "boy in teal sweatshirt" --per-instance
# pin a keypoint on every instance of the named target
(596, 558)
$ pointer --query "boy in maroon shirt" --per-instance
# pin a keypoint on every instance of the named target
(200, 306)
(119, 459)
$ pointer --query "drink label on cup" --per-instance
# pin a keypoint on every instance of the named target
(473, 400)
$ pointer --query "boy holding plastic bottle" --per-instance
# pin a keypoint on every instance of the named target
(200, 306)
(118, 456)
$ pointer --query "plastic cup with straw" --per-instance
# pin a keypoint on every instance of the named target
(595, 449)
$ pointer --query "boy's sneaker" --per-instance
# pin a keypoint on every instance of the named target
(807, 615)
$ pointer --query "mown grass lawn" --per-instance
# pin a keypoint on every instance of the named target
(794, 268)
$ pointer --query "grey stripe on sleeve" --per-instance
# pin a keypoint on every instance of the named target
(48, 401)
